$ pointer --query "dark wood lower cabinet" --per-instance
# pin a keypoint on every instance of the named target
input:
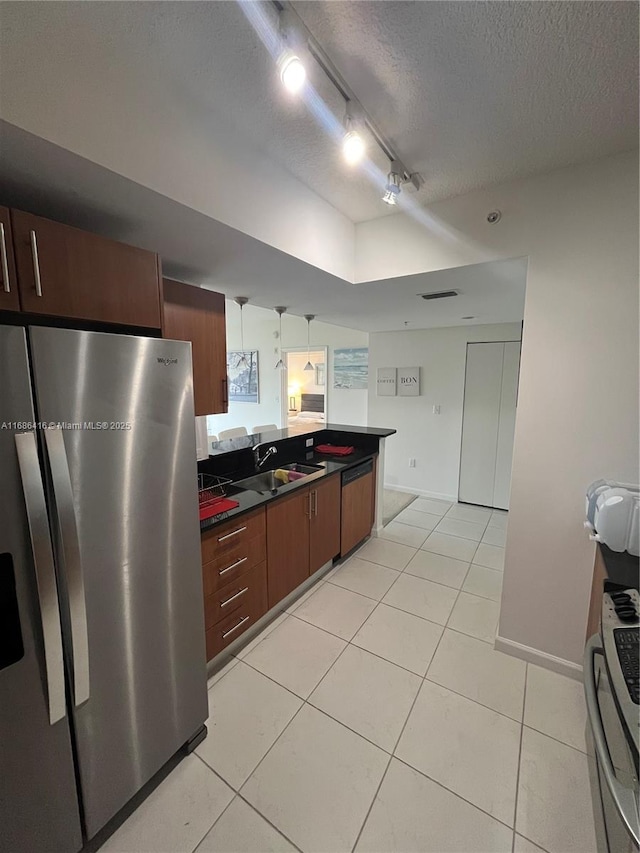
(253, 605)
(287, 544)
(253, 561)
(324, 525)
(358, 497)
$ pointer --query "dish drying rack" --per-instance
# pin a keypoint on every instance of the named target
(211, 490)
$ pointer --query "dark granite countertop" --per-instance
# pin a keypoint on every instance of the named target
(233, 458)
(248, 441)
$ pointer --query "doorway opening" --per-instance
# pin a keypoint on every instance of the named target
(304, 388)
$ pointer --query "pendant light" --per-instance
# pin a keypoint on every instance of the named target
(241, 301)
(280, 311)
(309, 318)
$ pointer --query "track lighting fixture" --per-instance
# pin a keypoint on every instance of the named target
(294, 47)
(353, 146)
(309, 318)
(292, 71)
(280, 311)
(241, 301)
(392, 190)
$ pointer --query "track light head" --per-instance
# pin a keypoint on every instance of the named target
(353, 147)
(392, 189)
(292, 71)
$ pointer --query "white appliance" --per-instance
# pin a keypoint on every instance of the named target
(613, 514)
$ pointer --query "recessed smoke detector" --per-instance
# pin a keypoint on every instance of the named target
(439, 294)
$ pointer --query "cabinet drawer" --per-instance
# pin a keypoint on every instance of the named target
(232, 596)
(229, 628)
(223, 539)
(234, 562)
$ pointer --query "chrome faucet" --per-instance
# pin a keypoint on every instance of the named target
(256, 454)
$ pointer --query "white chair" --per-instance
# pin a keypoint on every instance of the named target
(265, 428)
(235, 432)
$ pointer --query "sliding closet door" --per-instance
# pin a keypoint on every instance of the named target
(488, 423)
(507, 424)
(480, 422)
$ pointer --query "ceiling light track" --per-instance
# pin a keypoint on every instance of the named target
(354, 108)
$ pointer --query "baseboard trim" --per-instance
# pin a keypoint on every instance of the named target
(422, 493)
(531, 655)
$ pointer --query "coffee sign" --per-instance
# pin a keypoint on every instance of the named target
(386, 382)
(409, 381)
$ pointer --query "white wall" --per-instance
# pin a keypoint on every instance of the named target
(577, 416)
(260, 327)
(432, 440)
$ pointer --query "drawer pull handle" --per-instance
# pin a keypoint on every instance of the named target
(235, 627)
(233, 597)
(6, 284)
(229, 535)
(233, 565)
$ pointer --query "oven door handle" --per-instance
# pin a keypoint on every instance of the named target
(623, 798)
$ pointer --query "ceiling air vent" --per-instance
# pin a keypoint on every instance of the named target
(439, 294)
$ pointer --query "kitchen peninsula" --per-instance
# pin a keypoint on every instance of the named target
(283, 535)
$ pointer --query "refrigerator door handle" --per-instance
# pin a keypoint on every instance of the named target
(72, 561)
(42, 551)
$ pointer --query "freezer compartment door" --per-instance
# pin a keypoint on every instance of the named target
(38, 797)
(123, 490)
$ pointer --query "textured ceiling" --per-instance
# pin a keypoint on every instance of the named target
(470, 93)
(478, 93)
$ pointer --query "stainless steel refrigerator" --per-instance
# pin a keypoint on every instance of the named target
(102, 649)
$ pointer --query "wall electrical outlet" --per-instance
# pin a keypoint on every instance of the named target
(412, 462)
(436, 410)
(309, 442)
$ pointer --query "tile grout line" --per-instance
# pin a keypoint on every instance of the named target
(515, 804)
(454, 793)
(237, 793)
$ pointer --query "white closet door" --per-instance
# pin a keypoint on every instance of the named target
(506, 424)
(480, 421)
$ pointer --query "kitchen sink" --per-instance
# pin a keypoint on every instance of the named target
(300, 468)
(268, 482)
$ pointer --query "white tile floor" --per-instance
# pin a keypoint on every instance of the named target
(375, 715)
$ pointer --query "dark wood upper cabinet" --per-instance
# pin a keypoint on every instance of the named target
(287, 544)
(9, 297)
(198, 315)
(358, 504)
(324, 527)
(66, 272)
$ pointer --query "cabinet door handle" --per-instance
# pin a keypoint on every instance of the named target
(315, 501)
(308, 510)
(233, 597)
(233, 565)
(225, 634)
(233, 533)
(36, 262)
(5, 265)
(225, 391)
